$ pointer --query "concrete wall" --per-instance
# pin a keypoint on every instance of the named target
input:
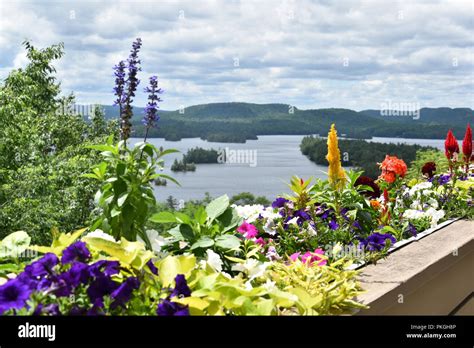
(432, 276)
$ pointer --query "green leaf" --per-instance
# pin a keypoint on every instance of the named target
(182, 218)
(192, 302)
(59, 243)
(121, 200)
(200, 215)
(227, 241)
(217, 207)
(171, 266)
(265, 307)
(230, 219)
(186, 232)
(125, 251)
(163, 217)
(148, 149)
(14, 244)
(110, 148)
(167, 152)
(182, 233)
(90, 175)
(169, 178)
(203, 242)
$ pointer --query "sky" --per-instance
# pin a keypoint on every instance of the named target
(310, 54)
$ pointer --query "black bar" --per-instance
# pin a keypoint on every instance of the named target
(243, 331)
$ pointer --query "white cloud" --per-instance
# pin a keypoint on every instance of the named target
(353, 54)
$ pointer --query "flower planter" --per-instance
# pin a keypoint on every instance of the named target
(431, 275)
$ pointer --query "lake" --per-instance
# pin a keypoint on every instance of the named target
(271, 161)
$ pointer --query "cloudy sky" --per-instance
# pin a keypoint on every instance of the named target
(311, 54)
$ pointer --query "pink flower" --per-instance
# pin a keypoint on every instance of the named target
(248, 230)
(294, 256)
(311, 257)
(260, 241)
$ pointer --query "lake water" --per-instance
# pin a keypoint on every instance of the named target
(277, 158)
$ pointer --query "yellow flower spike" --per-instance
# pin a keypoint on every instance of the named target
(336, 174)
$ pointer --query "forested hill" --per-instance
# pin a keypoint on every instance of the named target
(236, 122)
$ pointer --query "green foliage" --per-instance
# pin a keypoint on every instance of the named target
(320, 290)
(60, 242)
(343, 207)
(126, 198)
(200, 155)
(182, 166)
(359, 153)
(14, 244)
(247, 198)
(301, 192)
(423, 156)
(13, 252)
(210, 227)
(238, 122)
(130, 254)
(42, 151)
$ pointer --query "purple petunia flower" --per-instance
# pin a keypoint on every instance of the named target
(13, 295)
(181, 289)
(412, 229)
(122, 294)
(101, 286)
(356, 224)
(344, 214)
(168, 308)
(152, 267)
(444, 179)
(302, 217)
(76, 252)
(333, 225)
(376, 241)
(279, 202)
(97, 308)
(77, 274)
(323, 212)
(302, 214)
(104, 267)
(51, 309)
(42, 266)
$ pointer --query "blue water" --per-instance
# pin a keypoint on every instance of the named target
(278, 157)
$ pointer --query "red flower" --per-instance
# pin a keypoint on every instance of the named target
(391, 167)
(428, 169)
(451, 145)
(365, 180)
(467, 144)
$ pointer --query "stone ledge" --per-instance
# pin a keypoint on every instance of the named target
(430, 276)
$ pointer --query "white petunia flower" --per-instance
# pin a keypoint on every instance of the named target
(435, 215)
(419, 187)
(252, 267)
(293, 221)
(214, 260)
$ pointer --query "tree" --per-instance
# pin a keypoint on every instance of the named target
(43, 151)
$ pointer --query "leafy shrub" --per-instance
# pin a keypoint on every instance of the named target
(42, 151)
(126, 198)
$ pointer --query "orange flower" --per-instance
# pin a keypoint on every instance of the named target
(375, 204)
(391, 168)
